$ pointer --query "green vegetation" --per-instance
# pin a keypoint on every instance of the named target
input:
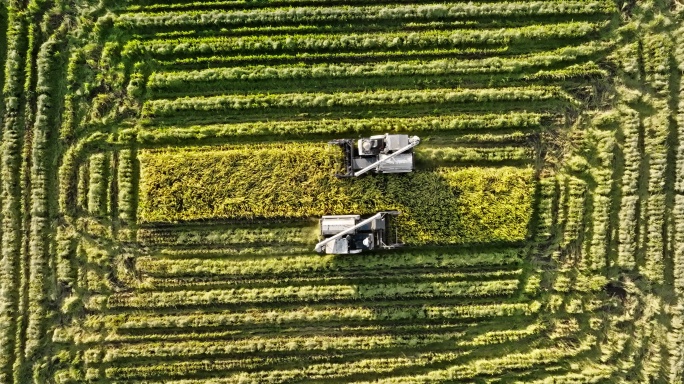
(163, 164)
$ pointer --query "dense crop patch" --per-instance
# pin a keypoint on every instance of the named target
(445, 205)
(163, 164)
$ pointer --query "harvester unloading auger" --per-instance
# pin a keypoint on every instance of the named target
(382, 154)
(345, 234)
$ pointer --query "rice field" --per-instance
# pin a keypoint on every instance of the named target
(164, 164)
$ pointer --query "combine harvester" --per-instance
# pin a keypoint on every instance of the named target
(382, 154)
(344, 234)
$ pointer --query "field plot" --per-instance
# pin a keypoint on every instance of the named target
(164, 163)
(441, 206)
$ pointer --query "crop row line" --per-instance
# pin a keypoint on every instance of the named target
(295, 58)
(178, 81)
(336, 14)
(81, 337)
(304, 294)
(189, 349)
(444, 123)
(495, 366)
(311, 372)
(473, 154)
(306, 314)
(169, 263)
(301, 235)
(353, 42)
(163, 107)
(194, 282)
(190, 5)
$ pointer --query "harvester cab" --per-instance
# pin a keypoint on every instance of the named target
(381, 154)
(345, 234)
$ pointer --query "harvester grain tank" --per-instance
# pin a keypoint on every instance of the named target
(345, 234)
(381, 154)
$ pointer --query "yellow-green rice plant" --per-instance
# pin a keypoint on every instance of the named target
(387, 291)
(490, 201)
(126, 171)
(498, 337)
(329, 264)
(174, 134)
(191, 280)
(179, 81)
(497, 365)
(210, 236)
(305, 314)
(574, 222)
(82, 189)
(546, 209)
(629, 204)
(356, 41)
(97, 184)
(655, 144)
(473, 154)
(369, 13)
(169, 107)
(198, 62)
(247, 369)
(274, 344)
